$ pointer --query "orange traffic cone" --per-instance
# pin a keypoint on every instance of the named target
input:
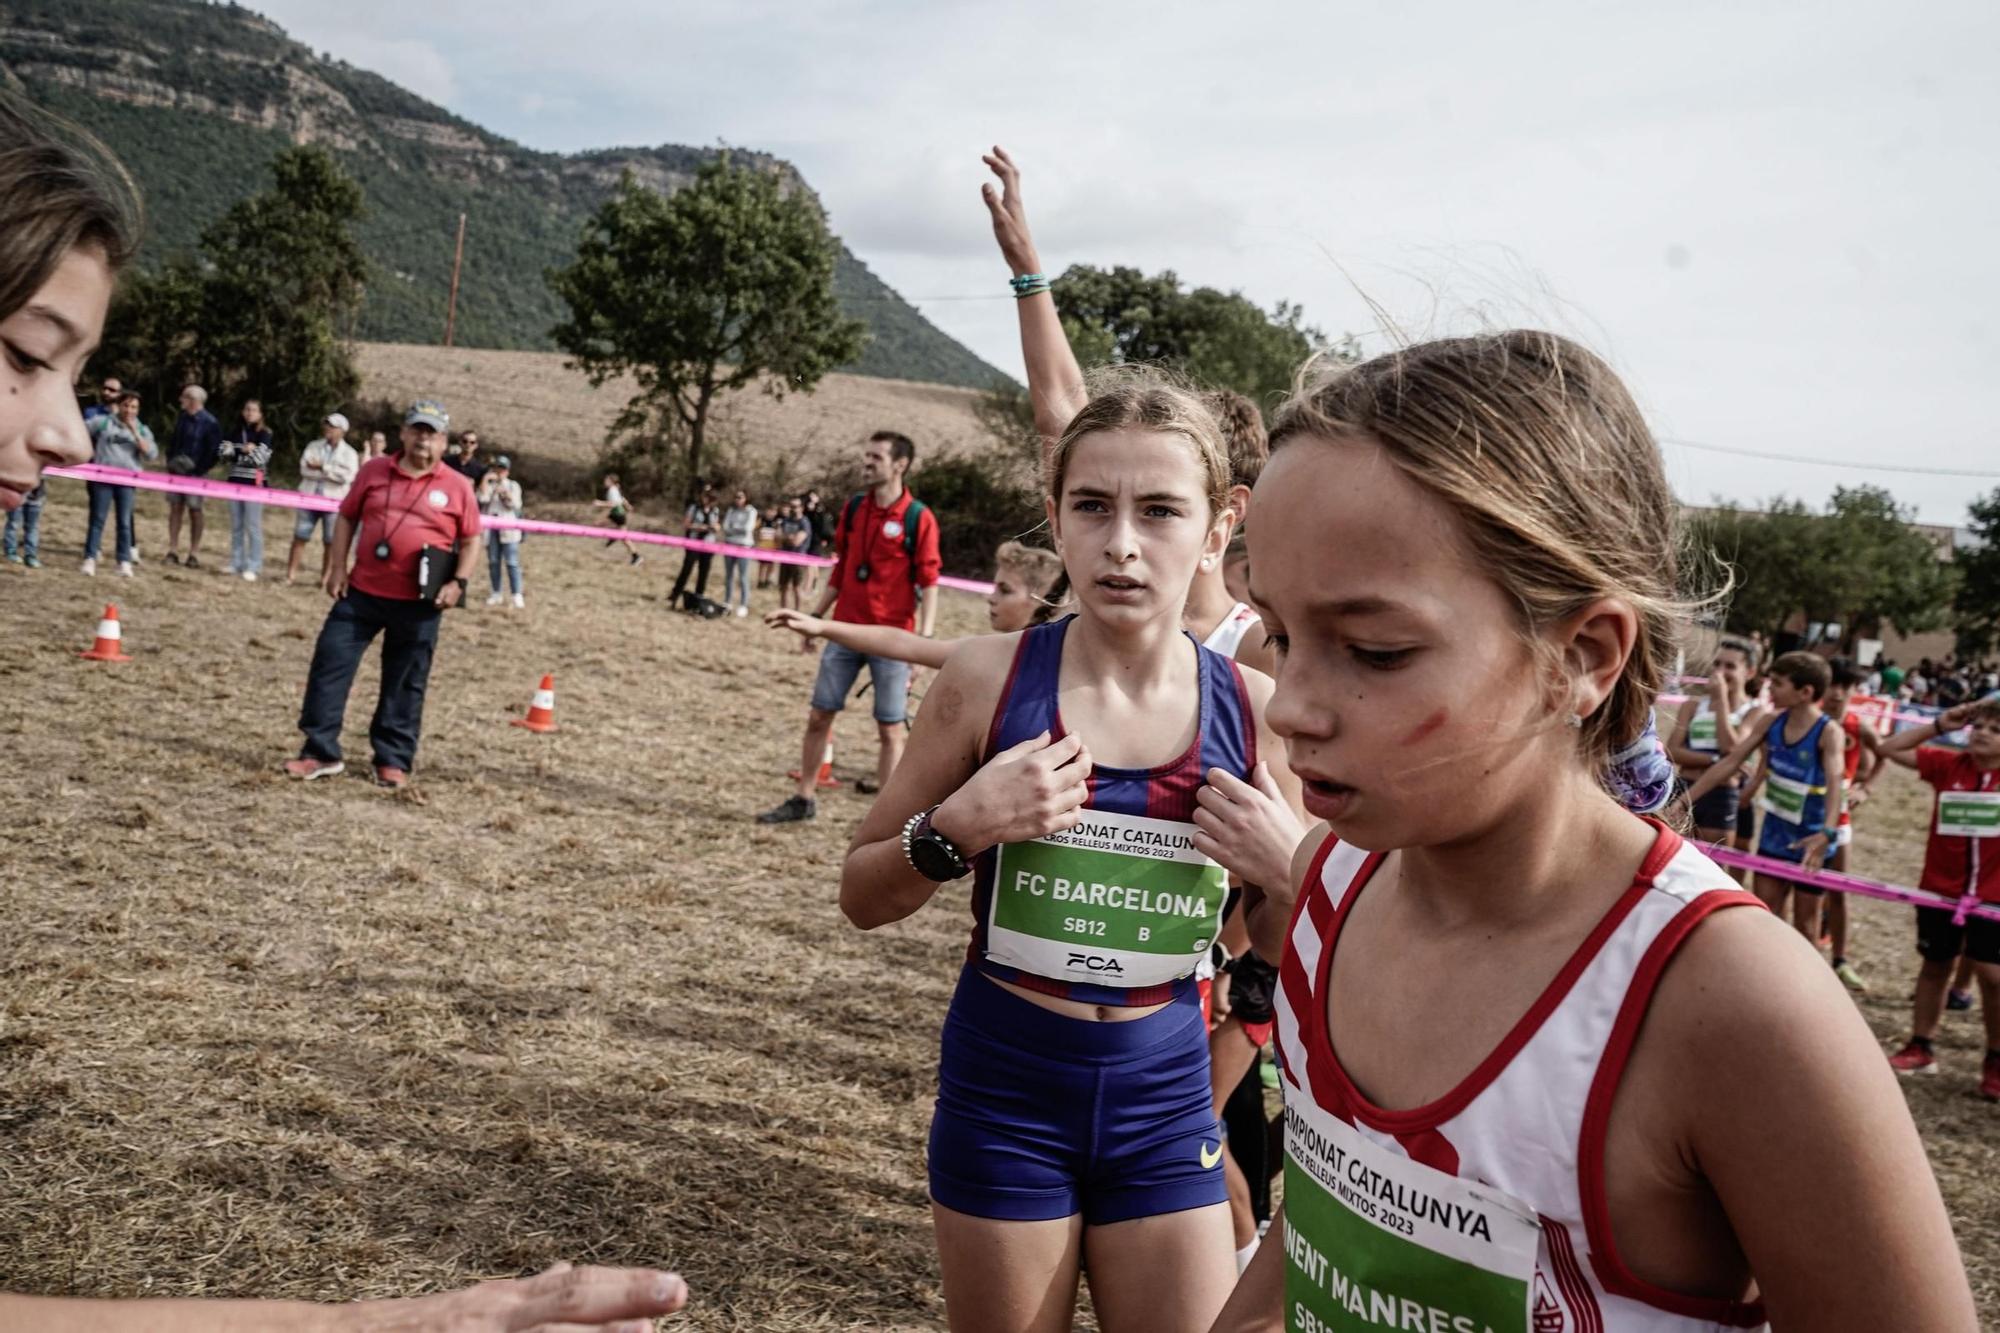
(108, 647)
(542, 709)
(826, 777)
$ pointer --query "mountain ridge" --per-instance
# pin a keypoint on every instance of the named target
(197, 97)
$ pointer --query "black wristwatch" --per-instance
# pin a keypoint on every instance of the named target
(929, 852)
(462, 590)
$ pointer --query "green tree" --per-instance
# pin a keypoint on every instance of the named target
(1219, 339)
(1857, 565)
(253, 314)
(727, 283)
(1976, 603)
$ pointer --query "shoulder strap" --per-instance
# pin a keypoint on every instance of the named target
(911, 517)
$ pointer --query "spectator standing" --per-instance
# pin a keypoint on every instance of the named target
(700, 524)
(465, 461)
(402, 514)
(822, 538)
(500, 497)
(192, 452)
(619, 513)
(886, 548)
(107, 400)
(795, 534)
(247, 454)
(326, 469)
(378, 445)
(28, 521)
(739, 528)
(120, 440)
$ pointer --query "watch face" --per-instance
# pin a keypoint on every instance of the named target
(933, 861)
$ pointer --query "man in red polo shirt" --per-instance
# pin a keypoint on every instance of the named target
(886, 549)
(413, 518)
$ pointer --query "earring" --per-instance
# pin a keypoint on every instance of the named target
(1576, 722)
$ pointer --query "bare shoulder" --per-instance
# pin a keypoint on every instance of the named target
(968, 686)
(1302, 859)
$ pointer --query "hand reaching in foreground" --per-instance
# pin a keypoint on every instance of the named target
(561, 1300)
(1010, 215)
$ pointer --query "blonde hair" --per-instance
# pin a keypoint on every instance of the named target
(1127, 397)
(1038, 566)
(1243, 432)
(1537, 447)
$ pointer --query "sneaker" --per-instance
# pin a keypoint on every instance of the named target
(1914, 1059)
(89, 568)
(519, 602)
(249, 576)
(867, 786)
(124, 569)
(1989, 1081)
(33, 562)
(13, 559)
(193, 561)
(393, 778)
(1850, 977)
(793, 809)
(742, 610)
(637, 559)
(1958, 1001)
(494, 599)
(173, 557)
(307, 769)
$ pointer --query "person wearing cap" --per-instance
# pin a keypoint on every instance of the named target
(500, 497)
(412, 526)
(326, 469)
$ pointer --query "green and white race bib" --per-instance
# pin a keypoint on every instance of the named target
(1374, 1240)
(1701, 733)
(1785, 798)
(1119, 900)
(1969, 814)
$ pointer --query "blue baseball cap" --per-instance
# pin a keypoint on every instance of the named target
(428, 412)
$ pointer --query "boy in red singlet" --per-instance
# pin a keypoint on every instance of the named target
(1545, 1065)
(1961, 861)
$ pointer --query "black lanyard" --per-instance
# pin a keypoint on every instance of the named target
(423, 489)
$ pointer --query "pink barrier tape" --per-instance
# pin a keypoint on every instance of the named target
(270, 495)
(1839, 882)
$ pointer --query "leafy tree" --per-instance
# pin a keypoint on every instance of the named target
(1858, 564)
(726, 283)
(1220, 339)
(1976, 604)
(254, 314)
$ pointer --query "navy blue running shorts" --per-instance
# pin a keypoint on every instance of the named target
(1041, 1116)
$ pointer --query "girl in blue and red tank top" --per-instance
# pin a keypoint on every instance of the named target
(1060, 769)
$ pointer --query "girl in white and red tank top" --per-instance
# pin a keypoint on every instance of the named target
(1546, 1068)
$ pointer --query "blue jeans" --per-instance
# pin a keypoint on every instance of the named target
(735, 577)
(840, 665)
(28, 519)
(507, 553)
(246, 536)
(103, 496)
(409, 632)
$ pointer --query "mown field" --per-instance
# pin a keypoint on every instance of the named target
(562, 999)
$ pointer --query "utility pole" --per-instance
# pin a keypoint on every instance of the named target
(451, 302)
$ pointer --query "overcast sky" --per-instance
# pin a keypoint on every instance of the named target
(1780, 222)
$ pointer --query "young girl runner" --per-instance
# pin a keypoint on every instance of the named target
(1059, 766)
(1546, 1067)
(1022, 578)
(1708, 728)
(1056, 389)
(614, 502)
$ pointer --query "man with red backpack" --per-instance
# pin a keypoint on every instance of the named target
(886, 552)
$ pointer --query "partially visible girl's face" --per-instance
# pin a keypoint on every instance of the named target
(253, 414)
(1012, 603)
(43, 347)
(1133, 523)
(1731, 665)
(1410, 703)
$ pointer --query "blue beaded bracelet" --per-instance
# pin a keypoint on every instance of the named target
(1028, 281)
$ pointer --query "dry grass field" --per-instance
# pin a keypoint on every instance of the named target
(532, 404)
(561, 999)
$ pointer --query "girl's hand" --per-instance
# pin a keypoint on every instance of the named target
(1248, 828)
(1951, 719)
(796, 621)
(1010, 216)
(1812, 851)
(1026, 792)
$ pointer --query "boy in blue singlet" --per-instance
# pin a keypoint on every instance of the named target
(1801, 775)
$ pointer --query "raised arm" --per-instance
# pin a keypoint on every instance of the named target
(872, 640)
(1055, 381)
(1901, 748)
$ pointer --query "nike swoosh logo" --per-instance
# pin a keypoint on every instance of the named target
(1210, 1160)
